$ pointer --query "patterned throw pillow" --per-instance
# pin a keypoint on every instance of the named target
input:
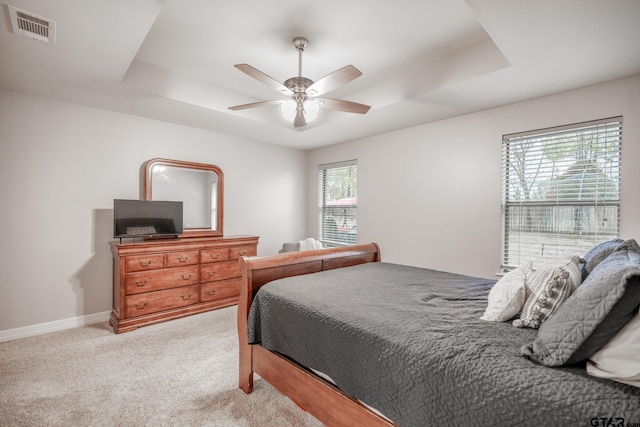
(507, 296)
(549, 286)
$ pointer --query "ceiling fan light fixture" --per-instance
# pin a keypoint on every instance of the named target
(311, 110)
(289, 108)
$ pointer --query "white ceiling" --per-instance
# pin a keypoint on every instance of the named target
(422, 60)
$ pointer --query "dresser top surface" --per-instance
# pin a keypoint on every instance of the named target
(161, 245)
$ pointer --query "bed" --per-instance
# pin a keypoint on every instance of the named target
(356, 341)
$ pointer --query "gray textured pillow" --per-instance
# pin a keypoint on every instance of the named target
(596, 311)
(597, 254)
(547, 288)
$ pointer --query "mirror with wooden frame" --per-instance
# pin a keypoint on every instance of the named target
(199, 186)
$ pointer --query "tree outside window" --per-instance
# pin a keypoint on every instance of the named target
(561, 191)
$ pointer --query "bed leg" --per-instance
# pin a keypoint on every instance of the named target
(245, 370)
(245, 351)
(246, 384)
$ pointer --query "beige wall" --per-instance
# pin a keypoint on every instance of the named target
(61, 166)
(430, 195)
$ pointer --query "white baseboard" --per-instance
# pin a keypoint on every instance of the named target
(57, 325)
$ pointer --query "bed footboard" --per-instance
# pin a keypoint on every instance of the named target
(314, 395)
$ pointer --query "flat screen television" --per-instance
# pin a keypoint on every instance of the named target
(146, 218)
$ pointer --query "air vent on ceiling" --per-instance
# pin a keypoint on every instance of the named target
(27, 24)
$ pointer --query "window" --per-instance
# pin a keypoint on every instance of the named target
(561, 191)
(337, 203)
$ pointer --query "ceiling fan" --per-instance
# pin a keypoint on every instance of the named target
(304, 103)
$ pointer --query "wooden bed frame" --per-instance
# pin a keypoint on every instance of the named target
(309, 391)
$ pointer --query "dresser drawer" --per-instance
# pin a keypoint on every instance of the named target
(220, 289)
(144, 262)
(213, 255)
(179, 259)
(152, 302)
(239, 251)
(219, 271)
(147, 281)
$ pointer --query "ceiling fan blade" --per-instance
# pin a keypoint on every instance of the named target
(334, 80)
(299, 120)
(254, 105)
(262, 77)
(342, 105)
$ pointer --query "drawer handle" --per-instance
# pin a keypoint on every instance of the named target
(145, 283)
(212, 273)
(143, 264)
(141, 306)
(242, 253)
(185, 259)
(211, 292)
(186, 278)
(214, 256)
(183, 297)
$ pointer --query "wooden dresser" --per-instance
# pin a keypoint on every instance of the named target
(158, 280)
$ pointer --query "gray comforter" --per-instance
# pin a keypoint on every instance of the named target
(408, 341)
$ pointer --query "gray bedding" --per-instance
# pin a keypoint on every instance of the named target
(408, 341)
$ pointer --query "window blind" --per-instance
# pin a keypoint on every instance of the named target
(338, 203)
(561, 191)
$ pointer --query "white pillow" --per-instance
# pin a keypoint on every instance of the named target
(619, 359)
(507, 296)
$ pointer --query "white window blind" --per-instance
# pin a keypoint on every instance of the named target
(338, 203)
(561, 191)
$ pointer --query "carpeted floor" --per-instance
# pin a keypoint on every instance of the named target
(178, 373)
